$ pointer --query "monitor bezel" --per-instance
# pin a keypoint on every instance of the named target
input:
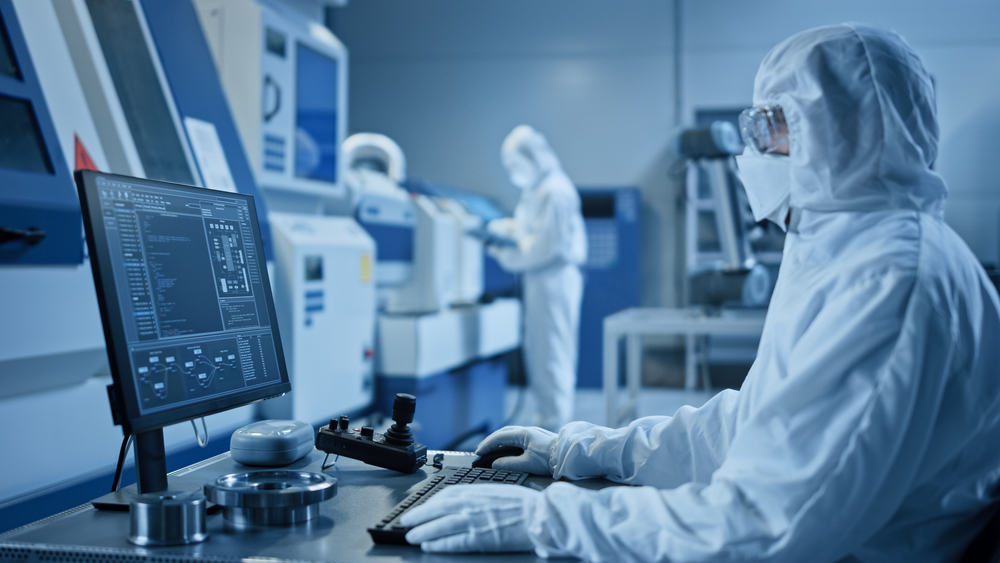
(127, 409)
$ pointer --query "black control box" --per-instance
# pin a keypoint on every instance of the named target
(395, 450)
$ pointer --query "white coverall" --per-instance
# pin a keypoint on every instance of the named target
(868, 428)
(551, 246)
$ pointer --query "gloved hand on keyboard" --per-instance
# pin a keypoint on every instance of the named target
(537, 444)
(486, 518)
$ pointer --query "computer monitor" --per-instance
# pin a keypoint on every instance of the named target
(186, 305)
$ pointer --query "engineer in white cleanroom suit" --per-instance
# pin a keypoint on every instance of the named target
(868, 426)
(551, 245)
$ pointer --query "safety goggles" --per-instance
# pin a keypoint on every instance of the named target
(764, 129)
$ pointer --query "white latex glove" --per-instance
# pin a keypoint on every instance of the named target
(503, 227)
(537, 444)
(473, 518)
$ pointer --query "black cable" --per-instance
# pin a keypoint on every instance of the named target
(121, 462)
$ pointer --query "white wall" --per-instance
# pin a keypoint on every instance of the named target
(448, 79)
(959, 41)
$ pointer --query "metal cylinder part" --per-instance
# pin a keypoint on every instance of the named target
(168, 518)
(270, 498)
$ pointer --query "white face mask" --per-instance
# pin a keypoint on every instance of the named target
(523, 173)
(768, 182)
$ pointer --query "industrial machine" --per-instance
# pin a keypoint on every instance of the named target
(286, 78)
(731, 261)
(326, 311)
(136, 92)
(427, 260)
(436, 340)
(40, 225)
(725, 250)
(126, 97)
(496, 282)
(611, 218)
(146, 100)
(55, 340)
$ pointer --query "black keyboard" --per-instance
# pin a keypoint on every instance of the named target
(389, 531)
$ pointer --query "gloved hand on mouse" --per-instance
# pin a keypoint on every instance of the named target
(538, 445)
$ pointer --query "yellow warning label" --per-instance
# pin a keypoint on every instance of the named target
(366, 268)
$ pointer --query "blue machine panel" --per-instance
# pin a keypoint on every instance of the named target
(475, 204)
(197, 91)
(36, 189)
(498, 282)
(611, 274)
(394, 242)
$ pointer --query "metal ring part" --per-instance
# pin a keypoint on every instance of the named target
(167, 518)
(270, 497)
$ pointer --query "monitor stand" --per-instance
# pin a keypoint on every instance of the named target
(151, 473)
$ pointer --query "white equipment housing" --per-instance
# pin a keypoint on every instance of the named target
(388, 211)
(324, 296)
(468, 254)
(424, 345)
(286, 80)
(432, 286)
(436, 277)
(285, 77)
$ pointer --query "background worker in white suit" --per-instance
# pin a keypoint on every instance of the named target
(550, 245)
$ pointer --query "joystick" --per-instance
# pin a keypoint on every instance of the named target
(396, 449)
(402, 414)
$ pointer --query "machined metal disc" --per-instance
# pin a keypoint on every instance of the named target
(278, 488)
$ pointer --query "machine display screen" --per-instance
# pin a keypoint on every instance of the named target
(21, 145)
(188, 276)
(316, 140)
(275, 42)
(8, 65)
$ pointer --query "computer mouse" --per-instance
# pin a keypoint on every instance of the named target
(486, 460)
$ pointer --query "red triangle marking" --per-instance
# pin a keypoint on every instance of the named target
(83, 160)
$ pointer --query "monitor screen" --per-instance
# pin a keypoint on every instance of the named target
(185, 299)
(21, 143)
(8, 65)
(316, 141)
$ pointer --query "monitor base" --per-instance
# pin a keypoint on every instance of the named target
(118, 501)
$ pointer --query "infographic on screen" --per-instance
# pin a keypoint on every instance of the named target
(188, 275)
(170, 375)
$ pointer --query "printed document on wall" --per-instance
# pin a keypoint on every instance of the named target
(209, 155)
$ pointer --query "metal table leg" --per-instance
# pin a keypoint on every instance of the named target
(633, 374)
(690, 362)
(611, 337)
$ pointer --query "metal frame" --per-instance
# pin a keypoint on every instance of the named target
(633, 324)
